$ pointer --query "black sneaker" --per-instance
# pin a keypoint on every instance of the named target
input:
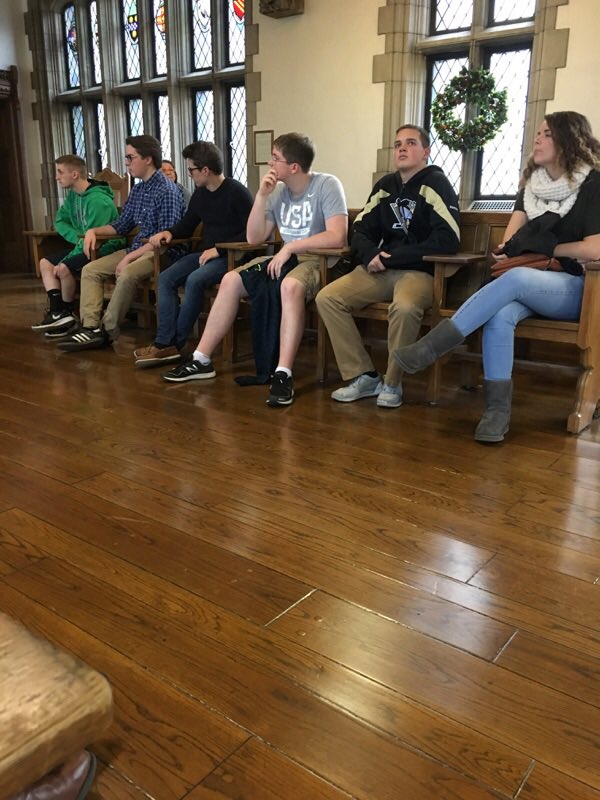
(189, 370)
(86, 339)
(61, 333)
(54, 319)
(281, 392)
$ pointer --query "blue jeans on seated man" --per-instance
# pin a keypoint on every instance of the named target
(501, 304)
(175, 320)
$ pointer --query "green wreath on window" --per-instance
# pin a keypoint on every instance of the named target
(475, 87)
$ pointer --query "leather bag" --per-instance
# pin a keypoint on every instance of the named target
(532, 260)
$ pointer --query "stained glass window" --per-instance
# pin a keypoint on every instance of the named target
(95, 42)
(201, 34)
(101, 133)
(501, 160)
(131, 39)
(71, 52)
(236, 31)
(237, 105)
(135, 116)
(443, 70)
(452, 15)
(164, 124)
(77, 131)
(504, 11)
(160, 38)
(205, 115)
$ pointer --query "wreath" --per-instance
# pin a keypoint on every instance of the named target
(475, 87)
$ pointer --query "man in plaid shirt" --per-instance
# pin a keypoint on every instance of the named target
(154, 204)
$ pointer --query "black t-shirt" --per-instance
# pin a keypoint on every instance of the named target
(224, 213)
(584, 218)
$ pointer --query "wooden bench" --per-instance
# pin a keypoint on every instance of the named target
(51, 706)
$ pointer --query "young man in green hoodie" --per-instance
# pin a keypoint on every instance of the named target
(88, 204)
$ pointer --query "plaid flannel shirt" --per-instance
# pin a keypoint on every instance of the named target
(153, 205)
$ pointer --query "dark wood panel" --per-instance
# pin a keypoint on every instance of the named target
(560, 731)
(237, 583)
(161, 738)
(177, 534)
(257, 772)
(560, 595)
(567, 670)
(454, 744)
(367, 763)
(279, 551)
(548, 784)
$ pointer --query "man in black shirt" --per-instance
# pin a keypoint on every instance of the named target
(223, 206)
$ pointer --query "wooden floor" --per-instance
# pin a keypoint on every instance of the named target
(320, 602)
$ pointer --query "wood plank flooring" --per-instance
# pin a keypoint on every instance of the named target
(321, 602)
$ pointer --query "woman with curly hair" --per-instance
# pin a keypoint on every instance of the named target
(558, 208)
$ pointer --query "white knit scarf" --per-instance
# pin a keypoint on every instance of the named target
(544, 194)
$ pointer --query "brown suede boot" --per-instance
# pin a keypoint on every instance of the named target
(71, 781)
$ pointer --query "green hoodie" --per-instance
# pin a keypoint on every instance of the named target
(80, 212)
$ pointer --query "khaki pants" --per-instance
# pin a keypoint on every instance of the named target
(92, 289)
(409, 293)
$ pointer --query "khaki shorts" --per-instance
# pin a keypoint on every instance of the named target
(306, 273)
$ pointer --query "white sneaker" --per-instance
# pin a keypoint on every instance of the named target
(363, 386)
(390, 396)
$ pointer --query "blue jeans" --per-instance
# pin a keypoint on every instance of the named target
(175, 322)
(520, 293)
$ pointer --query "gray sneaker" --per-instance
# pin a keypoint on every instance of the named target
(389, 396)
(363, 386)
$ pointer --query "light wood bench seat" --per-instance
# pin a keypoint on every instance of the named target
(51, 706)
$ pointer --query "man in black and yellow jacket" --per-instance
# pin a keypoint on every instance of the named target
(410, 213)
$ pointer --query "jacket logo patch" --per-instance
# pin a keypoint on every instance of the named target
(403, 211)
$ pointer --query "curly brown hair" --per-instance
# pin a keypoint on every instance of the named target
(575, 143)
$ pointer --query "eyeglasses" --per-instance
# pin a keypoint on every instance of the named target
(279, 160)
(191, 170)
(130, 158)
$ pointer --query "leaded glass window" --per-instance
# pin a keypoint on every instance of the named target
(492, 172)
(160, 38)
(236, 32)
(164, 125)
(503, 11)
(443, 70)
(501, 159)
(131, 42)
(135, 116)
(71, 52)
(451, 15)
(77, 131)
(201, 34)
(101, 135)
(95, 42)
(239, 159)
(205, 115)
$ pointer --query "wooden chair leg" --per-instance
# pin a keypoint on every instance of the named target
(322, 351)
(587, 396)
(434, 381)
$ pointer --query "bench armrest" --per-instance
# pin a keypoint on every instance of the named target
(325, 253)
(592, 266)
(457, 259)
(41, 233)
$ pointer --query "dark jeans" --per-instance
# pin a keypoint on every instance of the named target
(175, 322)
